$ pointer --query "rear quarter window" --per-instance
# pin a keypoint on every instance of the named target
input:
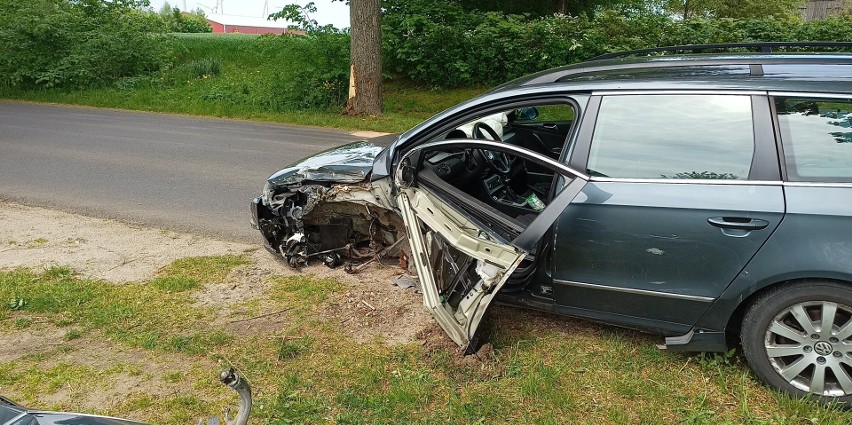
(817, 138)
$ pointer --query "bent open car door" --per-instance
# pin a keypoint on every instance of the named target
(462, 252)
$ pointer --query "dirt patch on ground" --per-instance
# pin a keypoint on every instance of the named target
(379, 309)
(96, 248)
(436, 344)
(18, 344)
(369, 306)
(118, 372)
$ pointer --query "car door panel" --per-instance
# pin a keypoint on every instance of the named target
(462, 262)
(647, 249)
(811, 243)
(483, 264)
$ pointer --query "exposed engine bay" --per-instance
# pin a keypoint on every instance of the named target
(356, 224)
(336, 224)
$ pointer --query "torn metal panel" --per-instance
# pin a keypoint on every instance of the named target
(460, 265)
(327, 223)
(350, 163)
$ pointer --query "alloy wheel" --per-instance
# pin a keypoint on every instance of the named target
(808, 345)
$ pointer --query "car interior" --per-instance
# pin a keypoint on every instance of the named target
(505, 193)
(514, 188)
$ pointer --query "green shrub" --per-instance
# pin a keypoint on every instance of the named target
(271, 73)
(76, 44)
(177, 21)
(207, 67)
(438, 43)
(309, 72)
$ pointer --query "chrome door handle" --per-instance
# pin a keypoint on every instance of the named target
(738, 223)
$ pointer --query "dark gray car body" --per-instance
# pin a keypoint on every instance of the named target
(13, 414)
(643, 254)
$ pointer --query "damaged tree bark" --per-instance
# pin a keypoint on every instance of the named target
(365, 78)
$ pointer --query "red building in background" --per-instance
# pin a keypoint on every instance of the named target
(226, 24)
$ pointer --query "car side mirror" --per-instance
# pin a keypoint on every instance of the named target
(526, 114)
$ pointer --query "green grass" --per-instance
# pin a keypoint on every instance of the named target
(543, 369)
(303, 292)
(405, 106)
(225, 75)
(35, 243)
(190, 273)
(37, 380)
(145, 316)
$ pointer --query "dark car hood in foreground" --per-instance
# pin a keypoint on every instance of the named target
(10, 410)
(350, 163)
(53, 418)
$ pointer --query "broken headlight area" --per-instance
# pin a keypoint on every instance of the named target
(332, 224)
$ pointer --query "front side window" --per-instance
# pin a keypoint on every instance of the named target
(817, 138)
(673, 137)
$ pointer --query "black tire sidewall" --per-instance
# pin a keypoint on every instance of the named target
(764, 309)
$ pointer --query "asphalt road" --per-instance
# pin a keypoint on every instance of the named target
(175, 172)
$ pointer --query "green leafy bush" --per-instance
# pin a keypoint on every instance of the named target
(310, 72)
(76, 44)
(438, 43)
(272, 73)
(206, 67)
(171, 19)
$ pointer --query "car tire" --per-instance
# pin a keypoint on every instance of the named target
(787, 347)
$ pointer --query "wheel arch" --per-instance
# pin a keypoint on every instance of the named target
(787, 357)
(735, 320)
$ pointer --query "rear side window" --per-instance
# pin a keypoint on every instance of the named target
(673, 137)
(817, 138)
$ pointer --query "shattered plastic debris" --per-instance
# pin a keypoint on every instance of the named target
(405, 282)
(489, 273)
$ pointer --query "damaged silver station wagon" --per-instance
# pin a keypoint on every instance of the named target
(703, 197)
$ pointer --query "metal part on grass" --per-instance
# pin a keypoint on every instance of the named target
(239, 384)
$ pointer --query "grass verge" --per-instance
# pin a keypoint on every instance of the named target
(542, 368)
(405, 106)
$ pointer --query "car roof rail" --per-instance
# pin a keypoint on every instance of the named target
(761, 47)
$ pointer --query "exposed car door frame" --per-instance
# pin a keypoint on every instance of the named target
(496, 260)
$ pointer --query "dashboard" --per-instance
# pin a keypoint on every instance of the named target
(450, 166)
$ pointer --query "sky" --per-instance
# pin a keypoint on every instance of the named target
(328, 12)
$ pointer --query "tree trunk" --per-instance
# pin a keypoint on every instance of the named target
(561, 7)
(365, 77)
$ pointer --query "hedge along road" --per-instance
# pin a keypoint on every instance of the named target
(175, 172)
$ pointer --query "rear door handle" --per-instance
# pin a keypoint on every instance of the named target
(738, 223)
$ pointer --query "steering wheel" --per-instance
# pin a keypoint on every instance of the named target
(498, 161)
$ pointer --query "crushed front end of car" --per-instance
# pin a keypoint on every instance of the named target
(327, 209)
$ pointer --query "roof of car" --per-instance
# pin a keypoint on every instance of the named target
(750, 71)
